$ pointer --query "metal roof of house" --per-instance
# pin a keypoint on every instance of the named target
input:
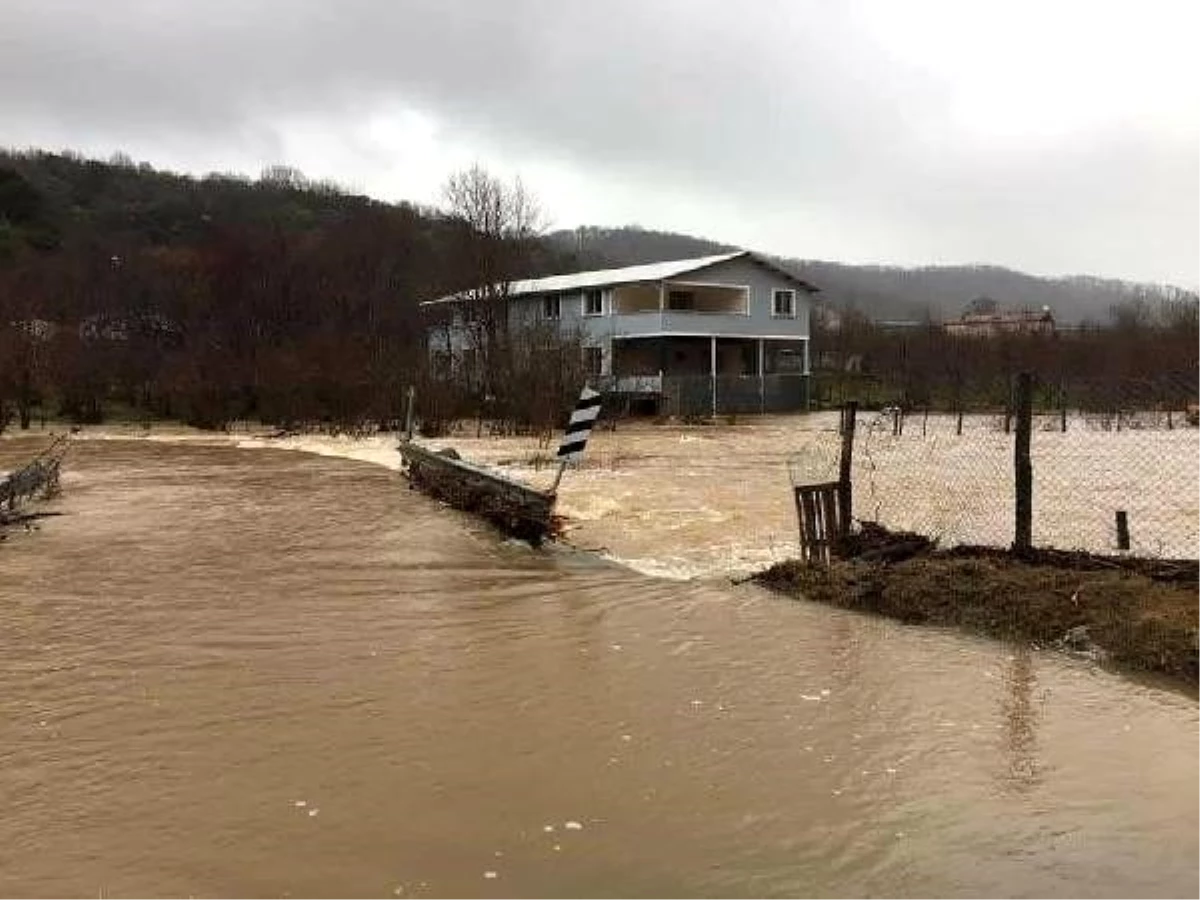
(628, 275)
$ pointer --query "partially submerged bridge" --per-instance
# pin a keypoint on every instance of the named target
(515, 508)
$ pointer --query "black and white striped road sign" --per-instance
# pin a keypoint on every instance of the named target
(580, 426)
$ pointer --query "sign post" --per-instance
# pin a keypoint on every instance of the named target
(579, 429)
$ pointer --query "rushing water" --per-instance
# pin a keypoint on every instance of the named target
(234, 672)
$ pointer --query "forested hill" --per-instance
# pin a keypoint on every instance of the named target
(72, 210)
(62, 203)
(631, 246)
(51, 201)
(942, 292)
(889, 292)
(217, 298)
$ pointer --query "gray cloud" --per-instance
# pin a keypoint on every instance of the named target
(794, 127)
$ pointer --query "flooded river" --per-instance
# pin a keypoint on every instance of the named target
(255, 672)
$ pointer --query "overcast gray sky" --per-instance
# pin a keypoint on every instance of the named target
(1053, 137)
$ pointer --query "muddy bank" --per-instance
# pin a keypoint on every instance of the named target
(1134, 620)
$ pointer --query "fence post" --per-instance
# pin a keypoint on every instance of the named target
(408, 415)
(1023, 464)
(1122, 530)
(845, 484)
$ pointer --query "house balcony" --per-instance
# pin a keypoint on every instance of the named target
(674, 308)
(666, 322)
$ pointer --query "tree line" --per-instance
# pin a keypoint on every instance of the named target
(129, 292)
(1144, 357)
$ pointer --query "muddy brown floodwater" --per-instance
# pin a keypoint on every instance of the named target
(255, 672)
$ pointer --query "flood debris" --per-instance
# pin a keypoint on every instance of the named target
(36, 480)
(873, 542)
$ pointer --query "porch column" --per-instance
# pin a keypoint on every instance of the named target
(807, 379)
(762, 381)
(713, 370)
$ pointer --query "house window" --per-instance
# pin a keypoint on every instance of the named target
(681, 300)
(551, 306)
(593, 303)
(593, 361)
(783, 304)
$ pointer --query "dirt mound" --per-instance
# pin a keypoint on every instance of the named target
(1115, 613)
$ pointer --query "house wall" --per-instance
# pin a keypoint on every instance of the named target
(529, 310)
(599, 331)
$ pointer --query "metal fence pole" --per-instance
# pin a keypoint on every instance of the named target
(1023, 464)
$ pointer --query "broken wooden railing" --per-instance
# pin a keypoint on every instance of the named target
(822, 519)
(516, 509)
(37, 478)
(824, 510)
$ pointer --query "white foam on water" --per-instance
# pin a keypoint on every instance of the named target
(674, 504)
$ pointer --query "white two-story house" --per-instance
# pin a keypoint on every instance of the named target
(725, 333)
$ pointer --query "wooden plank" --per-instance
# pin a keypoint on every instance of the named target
(797, 494)
(810, 525)
(829, 502)
(845, 468)
(819, 528)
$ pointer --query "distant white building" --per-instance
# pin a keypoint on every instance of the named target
(997, 323)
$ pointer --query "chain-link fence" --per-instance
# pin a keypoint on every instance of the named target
(1130, 448)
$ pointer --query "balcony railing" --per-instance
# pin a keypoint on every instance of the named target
(694, 394)
(721, 324)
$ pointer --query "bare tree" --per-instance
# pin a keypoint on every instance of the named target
(498, 224)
